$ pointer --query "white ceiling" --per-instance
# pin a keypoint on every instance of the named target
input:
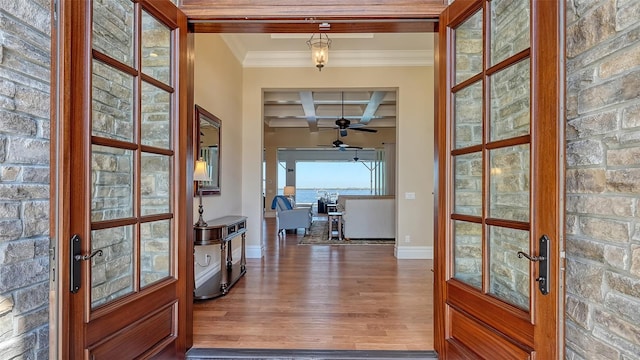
(347, 50)
(317, 109)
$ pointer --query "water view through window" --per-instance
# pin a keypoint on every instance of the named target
(314, 178)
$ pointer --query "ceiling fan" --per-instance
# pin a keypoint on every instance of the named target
(340, 144)
(344, 124)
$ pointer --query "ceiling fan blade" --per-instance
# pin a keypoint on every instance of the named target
(364, 129)
(351, 147)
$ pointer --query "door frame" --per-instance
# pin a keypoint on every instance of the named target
(385, 16)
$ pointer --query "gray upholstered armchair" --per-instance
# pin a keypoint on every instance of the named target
(289, 217)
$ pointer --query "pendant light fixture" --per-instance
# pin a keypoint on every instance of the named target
(319, 45)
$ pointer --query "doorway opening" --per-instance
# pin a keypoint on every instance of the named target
(283, 246)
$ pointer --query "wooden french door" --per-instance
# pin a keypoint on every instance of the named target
(124, 186)
(498, 283)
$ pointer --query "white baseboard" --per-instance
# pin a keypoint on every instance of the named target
(254, 251)
(414, 252)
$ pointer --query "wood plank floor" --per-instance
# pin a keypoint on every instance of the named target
(337, 297)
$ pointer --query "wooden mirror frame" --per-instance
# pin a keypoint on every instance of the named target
(202, 116)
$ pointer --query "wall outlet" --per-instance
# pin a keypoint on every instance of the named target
(407, 238)
(410, 195)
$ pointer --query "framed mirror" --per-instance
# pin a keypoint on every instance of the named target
(208, 149)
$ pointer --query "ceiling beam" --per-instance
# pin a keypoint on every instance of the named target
(333, 11)
(306, 97)
(372, 106)
(290, 26)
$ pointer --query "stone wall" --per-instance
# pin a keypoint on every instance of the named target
(25, 42)
(603, 179)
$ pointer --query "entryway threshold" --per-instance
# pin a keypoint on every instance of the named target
(289, 354)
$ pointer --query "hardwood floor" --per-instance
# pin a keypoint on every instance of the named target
(322, 297)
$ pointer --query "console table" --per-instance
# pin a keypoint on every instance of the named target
(222, 231)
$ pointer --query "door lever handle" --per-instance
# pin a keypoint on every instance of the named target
(87, 257)
(74, 264)
(543, 263)
(530, 257)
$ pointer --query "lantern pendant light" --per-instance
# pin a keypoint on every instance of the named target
(319, 45)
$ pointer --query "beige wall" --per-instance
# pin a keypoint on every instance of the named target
(414, 142)
(218, 88)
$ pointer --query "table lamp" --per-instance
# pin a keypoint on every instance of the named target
(200, 174)
(290, 192)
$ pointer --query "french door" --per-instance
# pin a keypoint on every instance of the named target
(499, 153)
(122, 188)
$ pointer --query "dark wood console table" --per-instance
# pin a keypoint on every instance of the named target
(222, 231)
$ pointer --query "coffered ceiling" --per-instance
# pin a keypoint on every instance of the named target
(319, 109)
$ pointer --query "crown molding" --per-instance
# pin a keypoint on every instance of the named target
(337, 58)
(235, 45)
(333, 36)
(254, 59)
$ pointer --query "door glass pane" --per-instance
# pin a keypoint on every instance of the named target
(467, 252)
(509, 183)
(510, 103)
(155, 253)
(156, 116)
(509, 276)
(111, 273)
(468, 116)
(111, 183)
(156, 49)
(111, 103)
(468, 40)
(468, 184)
(155, 184)
(509, 28)
(113, 29)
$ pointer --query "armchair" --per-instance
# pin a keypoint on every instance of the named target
(290, 217)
